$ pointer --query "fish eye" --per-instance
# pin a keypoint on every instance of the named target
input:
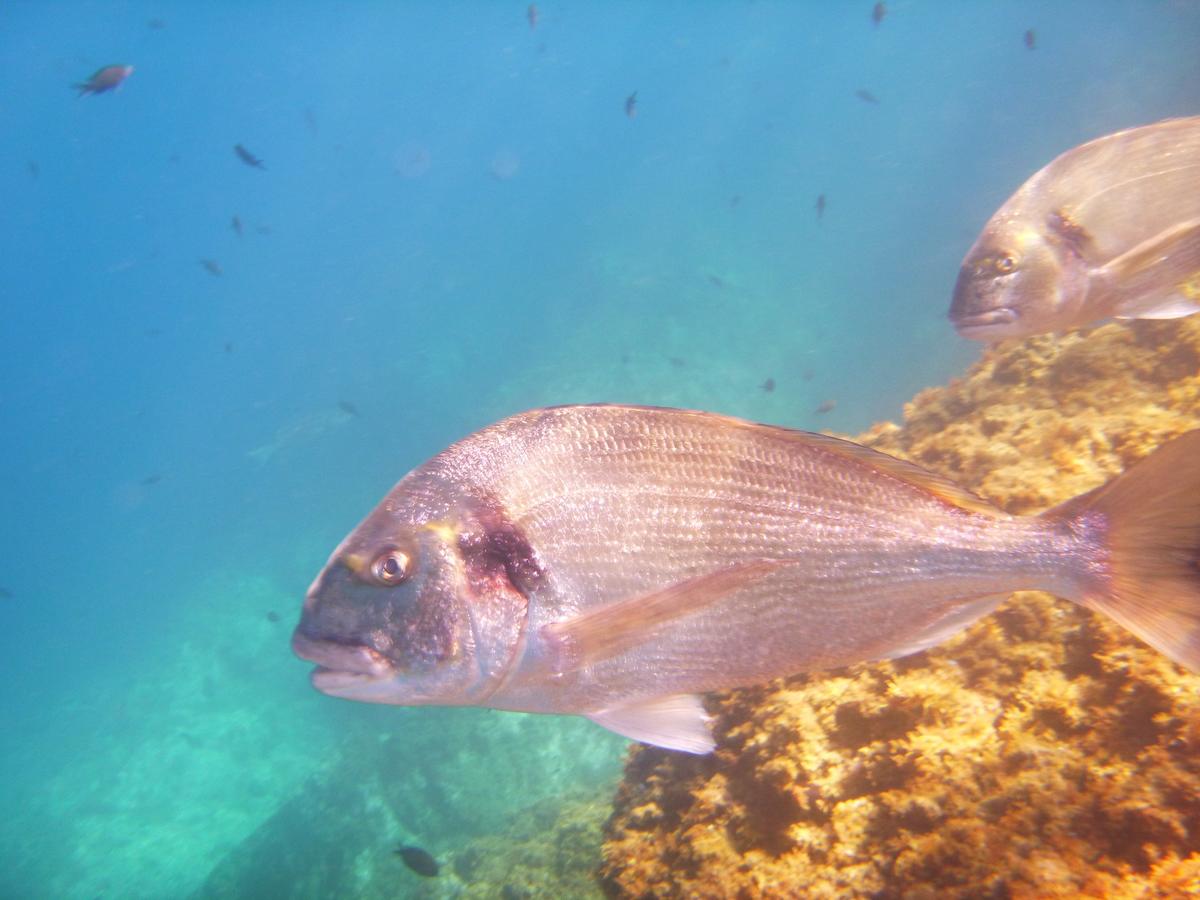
(1005, 263)
(391, 567)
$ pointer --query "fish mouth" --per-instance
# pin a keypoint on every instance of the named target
(341, 668)
(995, 322)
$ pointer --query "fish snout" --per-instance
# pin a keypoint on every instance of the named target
(978, 310)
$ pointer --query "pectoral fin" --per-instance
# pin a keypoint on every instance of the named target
(1160, 277)
(677, 722)
(604, 632)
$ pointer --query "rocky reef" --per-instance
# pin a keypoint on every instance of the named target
(1044, 752)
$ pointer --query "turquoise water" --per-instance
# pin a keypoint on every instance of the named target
(457, 220)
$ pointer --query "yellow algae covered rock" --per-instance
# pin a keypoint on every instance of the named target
(1042, 753)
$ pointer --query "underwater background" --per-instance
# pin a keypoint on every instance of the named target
(460, 216)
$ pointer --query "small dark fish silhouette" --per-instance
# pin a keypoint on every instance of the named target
(532, 15)
(236, 224)
(826, 406)
(272, 616)
(866, 96)
(5, 593)
(716, 281)
(347, 407)
(104, 80)
(248, 158)
(229, 346)
(212, 267)
(156, 24)
(768, 386)
(1030, 39)
(820, 206)
(677, 361)
(310, 119)
(807, 375)
(34, 169)
(878, 12)
(631, 105)
(734, 201)
(418, 860)
(152, 479)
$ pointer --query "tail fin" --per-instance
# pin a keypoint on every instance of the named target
(1152, 517)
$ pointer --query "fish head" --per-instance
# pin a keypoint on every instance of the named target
(1015, 282)
(414, 608)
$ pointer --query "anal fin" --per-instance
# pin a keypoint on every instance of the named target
(676, 722)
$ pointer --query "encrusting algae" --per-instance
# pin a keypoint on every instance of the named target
(1044, 752)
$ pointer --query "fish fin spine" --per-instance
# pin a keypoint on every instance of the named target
(1150, 518)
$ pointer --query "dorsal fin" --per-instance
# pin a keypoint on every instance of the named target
(902, 470)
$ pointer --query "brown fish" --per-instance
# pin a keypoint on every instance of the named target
(1030, 39)
(768, 386)
(631, 105)
(878, 11)
(212, 267)
(248, 158)
(347, 407)
(1110, 228)
(103, 80)
(866, 96)
(616, 562)
(826, 406)
(236, 224)
(531, 14)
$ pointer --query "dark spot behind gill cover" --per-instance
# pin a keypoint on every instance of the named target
(499, 550)
(1070, 234)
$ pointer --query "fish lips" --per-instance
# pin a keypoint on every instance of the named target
(992, 324)
(343, 670)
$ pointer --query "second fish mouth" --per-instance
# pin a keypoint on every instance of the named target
(998, 317)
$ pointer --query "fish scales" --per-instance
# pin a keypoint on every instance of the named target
(627, 509)
(615, 562)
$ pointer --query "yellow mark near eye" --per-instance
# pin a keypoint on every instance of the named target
(445, 532)
(355, 562)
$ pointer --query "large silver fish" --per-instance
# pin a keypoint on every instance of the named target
(615, 562)
(1110, 228)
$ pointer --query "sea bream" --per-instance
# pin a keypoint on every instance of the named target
(1108, 229)
(616, 562)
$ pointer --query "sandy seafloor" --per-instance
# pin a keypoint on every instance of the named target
(457, 221)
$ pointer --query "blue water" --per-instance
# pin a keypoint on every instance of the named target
(457, 221)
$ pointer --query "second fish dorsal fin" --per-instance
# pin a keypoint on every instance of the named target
(604, 632)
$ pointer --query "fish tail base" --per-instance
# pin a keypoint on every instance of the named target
(1151, 517)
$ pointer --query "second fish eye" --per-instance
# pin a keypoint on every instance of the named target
(391, 566)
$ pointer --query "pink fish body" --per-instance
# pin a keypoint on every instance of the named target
(617, 562)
